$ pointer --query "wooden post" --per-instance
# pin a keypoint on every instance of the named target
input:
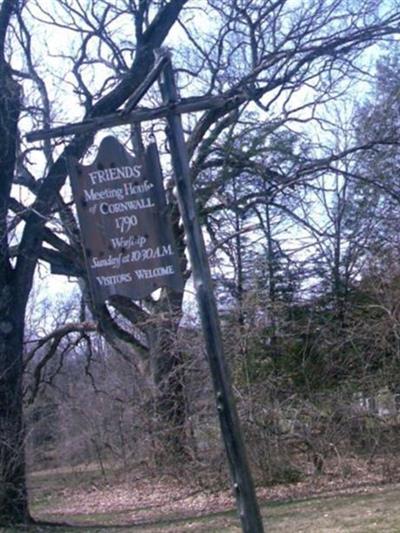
(242, 482)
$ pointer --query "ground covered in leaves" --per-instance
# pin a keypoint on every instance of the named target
(347, 496)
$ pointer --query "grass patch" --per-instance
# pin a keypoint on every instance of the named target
(81, 498)
(357, 513)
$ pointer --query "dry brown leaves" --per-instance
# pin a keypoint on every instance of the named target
(149, 500)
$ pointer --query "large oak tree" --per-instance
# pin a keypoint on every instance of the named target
(255, 52)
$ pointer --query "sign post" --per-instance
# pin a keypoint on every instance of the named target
(229, 421)
(137, 245)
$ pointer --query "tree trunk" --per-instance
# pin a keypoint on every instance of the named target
(13, 494)
(168, 375)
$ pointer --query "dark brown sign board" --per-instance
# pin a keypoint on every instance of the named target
(248, 509)
(124, 222)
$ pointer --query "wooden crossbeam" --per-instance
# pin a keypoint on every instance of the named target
(184, 105)
(130, 115)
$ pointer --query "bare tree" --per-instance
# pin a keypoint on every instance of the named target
(256, 54)
(13, 502)
(17, 276)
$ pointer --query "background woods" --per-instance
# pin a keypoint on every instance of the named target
(296, 189)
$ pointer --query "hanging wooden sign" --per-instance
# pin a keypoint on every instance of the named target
(118, 257)
(124, 222)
